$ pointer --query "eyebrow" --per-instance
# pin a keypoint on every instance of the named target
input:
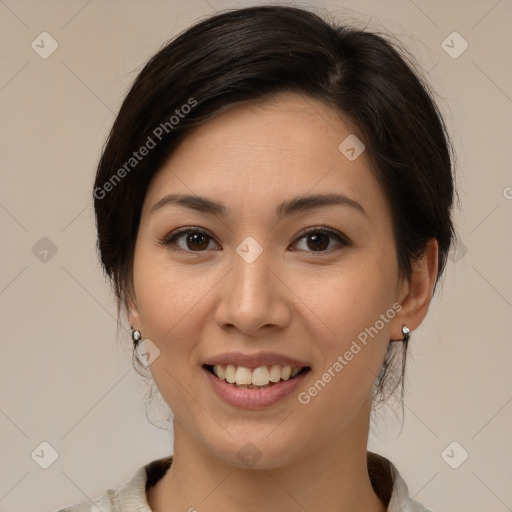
(293, 206)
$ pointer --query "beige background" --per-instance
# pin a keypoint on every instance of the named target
(64, 378)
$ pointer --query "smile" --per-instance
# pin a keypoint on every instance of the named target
(259, 378)
(261, 387)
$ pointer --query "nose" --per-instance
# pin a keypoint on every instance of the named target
(253, 297)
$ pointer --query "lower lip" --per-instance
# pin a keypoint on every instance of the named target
(254, 398)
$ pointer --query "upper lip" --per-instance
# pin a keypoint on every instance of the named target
(254, 360)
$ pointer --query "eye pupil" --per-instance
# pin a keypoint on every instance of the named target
(193, 238)
(317, 240)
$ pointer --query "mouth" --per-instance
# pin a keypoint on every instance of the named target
(262, 377)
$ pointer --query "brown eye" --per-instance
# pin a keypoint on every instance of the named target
(194, 240)
(319, 240)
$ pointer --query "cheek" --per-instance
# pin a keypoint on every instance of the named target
(167, 293)
(170, 315)
(353, 309)
(348, 299)
(350, 330)
(174, 308)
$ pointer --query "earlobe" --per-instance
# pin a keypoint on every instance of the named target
(417, 291)
(133, 313)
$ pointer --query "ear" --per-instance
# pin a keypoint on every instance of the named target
(414, 294)
(132, 310)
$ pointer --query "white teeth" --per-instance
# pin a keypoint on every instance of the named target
(275, 373)
(286, 372)
(295, 371)
(261, 376)
(230, 373)
(220, 371)
(243, 375)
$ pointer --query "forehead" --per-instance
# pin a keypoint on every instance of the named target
(286, 123)
(265, 149)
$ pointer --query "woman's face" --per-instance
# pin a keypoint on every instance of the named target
(255, 281)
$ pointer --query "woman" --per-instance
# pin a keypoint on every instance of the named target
(273, 208)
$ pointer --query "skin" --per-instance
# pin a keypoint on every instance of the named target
(194, 303)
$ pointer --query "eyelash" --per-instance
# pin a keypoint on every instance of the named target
(170, 240)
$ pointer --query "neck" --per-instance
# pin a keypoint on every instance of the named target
(328, 478)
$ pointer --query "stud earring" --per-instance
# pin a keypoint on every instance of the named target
(405, 333)
(136, 336)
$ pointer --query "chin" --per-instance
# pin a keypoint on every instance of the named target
(257, 452)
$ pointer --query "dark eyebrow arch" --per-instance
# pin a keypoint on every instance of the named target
(285, 209)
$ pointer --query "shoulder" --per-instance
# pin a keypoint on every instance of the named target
(390, 486)
(107, 502)
(385, 477)
(400, 499)
(131, 497)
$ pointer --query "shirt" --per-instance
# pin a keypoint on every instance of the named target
(131, 497)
